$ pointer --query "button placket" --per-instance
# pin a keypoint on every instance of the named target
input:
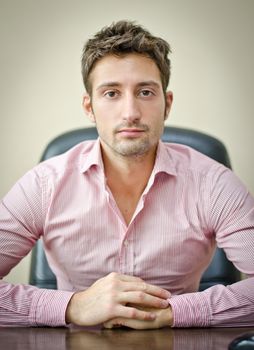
(127, 251)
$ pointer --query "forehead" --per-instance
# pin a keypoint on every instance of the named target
(130, 68)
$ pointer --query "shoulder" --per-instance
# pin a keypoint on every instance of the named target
(70, 161)
(185, 159)
(53, 172)
(55, 169)
(197, 168)
(217, 179)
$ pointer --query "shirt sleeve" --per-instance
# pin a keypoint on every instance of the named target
(21, 224)
(229, 212)
(217, 306)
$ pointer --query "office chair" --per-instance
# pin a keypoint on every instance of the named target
(220, 270)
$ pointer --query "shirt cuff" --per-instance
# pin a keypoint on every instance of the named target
(48, 308)
(190, 310)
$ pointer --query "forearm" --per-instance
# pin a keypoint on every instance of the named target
(30, 306)
(218, 306)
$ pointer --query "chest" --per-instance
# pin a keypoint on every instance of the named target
(154, 237)
(159, 244)
(126, 203)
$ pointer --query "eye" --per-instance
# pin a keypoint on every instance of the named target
(110, 93)
(146, 93)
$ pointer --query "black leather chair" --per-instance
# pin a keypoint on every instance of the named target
(220, 271)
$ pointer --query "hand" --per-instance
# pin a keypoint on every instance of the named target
(164, 317)
(108, 297)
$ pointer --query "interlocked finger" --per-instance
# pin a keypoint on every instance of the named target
(147, 289)
(142, 299)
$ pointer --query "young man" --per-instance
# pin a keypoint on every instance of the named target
(129, 223)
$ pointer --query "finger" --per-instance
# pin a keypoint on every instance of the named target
(142, 299)
(133, 283)
(148, 289)
(134, 313)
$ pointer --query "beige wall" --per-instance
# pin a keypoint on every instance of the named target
(41, 89)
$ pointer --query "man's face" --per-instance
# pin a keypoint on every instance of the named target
(127, 104)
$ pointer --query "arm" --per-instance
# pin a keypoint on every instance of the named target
(229, 214)
(21, 213)
(231, 218)
(30, 306)
(22, 218)
(218, 306)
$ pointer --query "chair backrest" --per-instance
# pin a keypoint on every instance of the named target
(220, 271)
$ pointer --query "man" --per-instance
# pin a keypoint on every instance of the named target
(129, 223)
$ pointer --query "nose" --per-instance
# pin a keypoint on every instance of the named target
(130, 109)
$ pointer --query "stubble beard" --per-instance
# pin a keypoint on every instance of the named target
(131, 147)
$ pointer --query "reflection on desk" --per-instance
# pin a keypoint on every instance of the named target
(121, 339)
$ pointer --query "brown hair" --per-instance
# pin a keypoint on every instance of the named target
(121, 38)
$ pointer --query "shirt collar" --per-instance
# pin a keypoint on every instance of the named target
(92, 157)
(164, 162)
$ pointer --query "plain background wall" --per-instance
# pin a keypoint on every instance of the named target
(41, 87)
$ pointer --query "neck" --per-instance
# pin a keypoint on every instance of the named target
(132, 173)
(127, 178)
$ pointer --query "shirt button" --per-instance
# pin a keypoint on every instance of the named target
(126, 243)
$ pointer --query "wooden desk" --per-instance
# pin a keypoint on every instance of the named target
(121, 339)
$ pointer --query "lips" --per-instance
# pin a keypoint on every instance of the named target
(130, 132)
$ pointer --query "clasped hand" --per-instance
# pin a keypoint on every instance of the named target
(117, 300)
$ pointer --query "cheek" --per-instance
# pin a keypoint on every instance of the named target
(156, 113)
(158, 107)
(105, 109)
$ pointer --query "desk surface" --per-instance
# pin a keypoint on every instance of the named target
(121, 339)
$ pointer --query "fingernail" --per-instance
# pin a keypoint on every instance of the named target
(168, 294)
(152, 316)
(164, 303)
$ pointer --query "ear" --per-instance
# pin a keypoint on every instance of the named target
(169, 101)
(87, 106)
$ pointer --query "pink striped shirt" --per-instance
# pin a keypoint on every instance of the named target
(190, 203)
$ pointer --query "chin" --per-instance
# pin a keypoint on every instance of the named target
(134, 149)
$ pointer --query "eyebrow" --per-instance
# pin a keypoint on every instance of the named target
(115, 83)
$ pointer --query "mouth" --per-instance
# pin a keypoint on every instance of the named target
(130, 132)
